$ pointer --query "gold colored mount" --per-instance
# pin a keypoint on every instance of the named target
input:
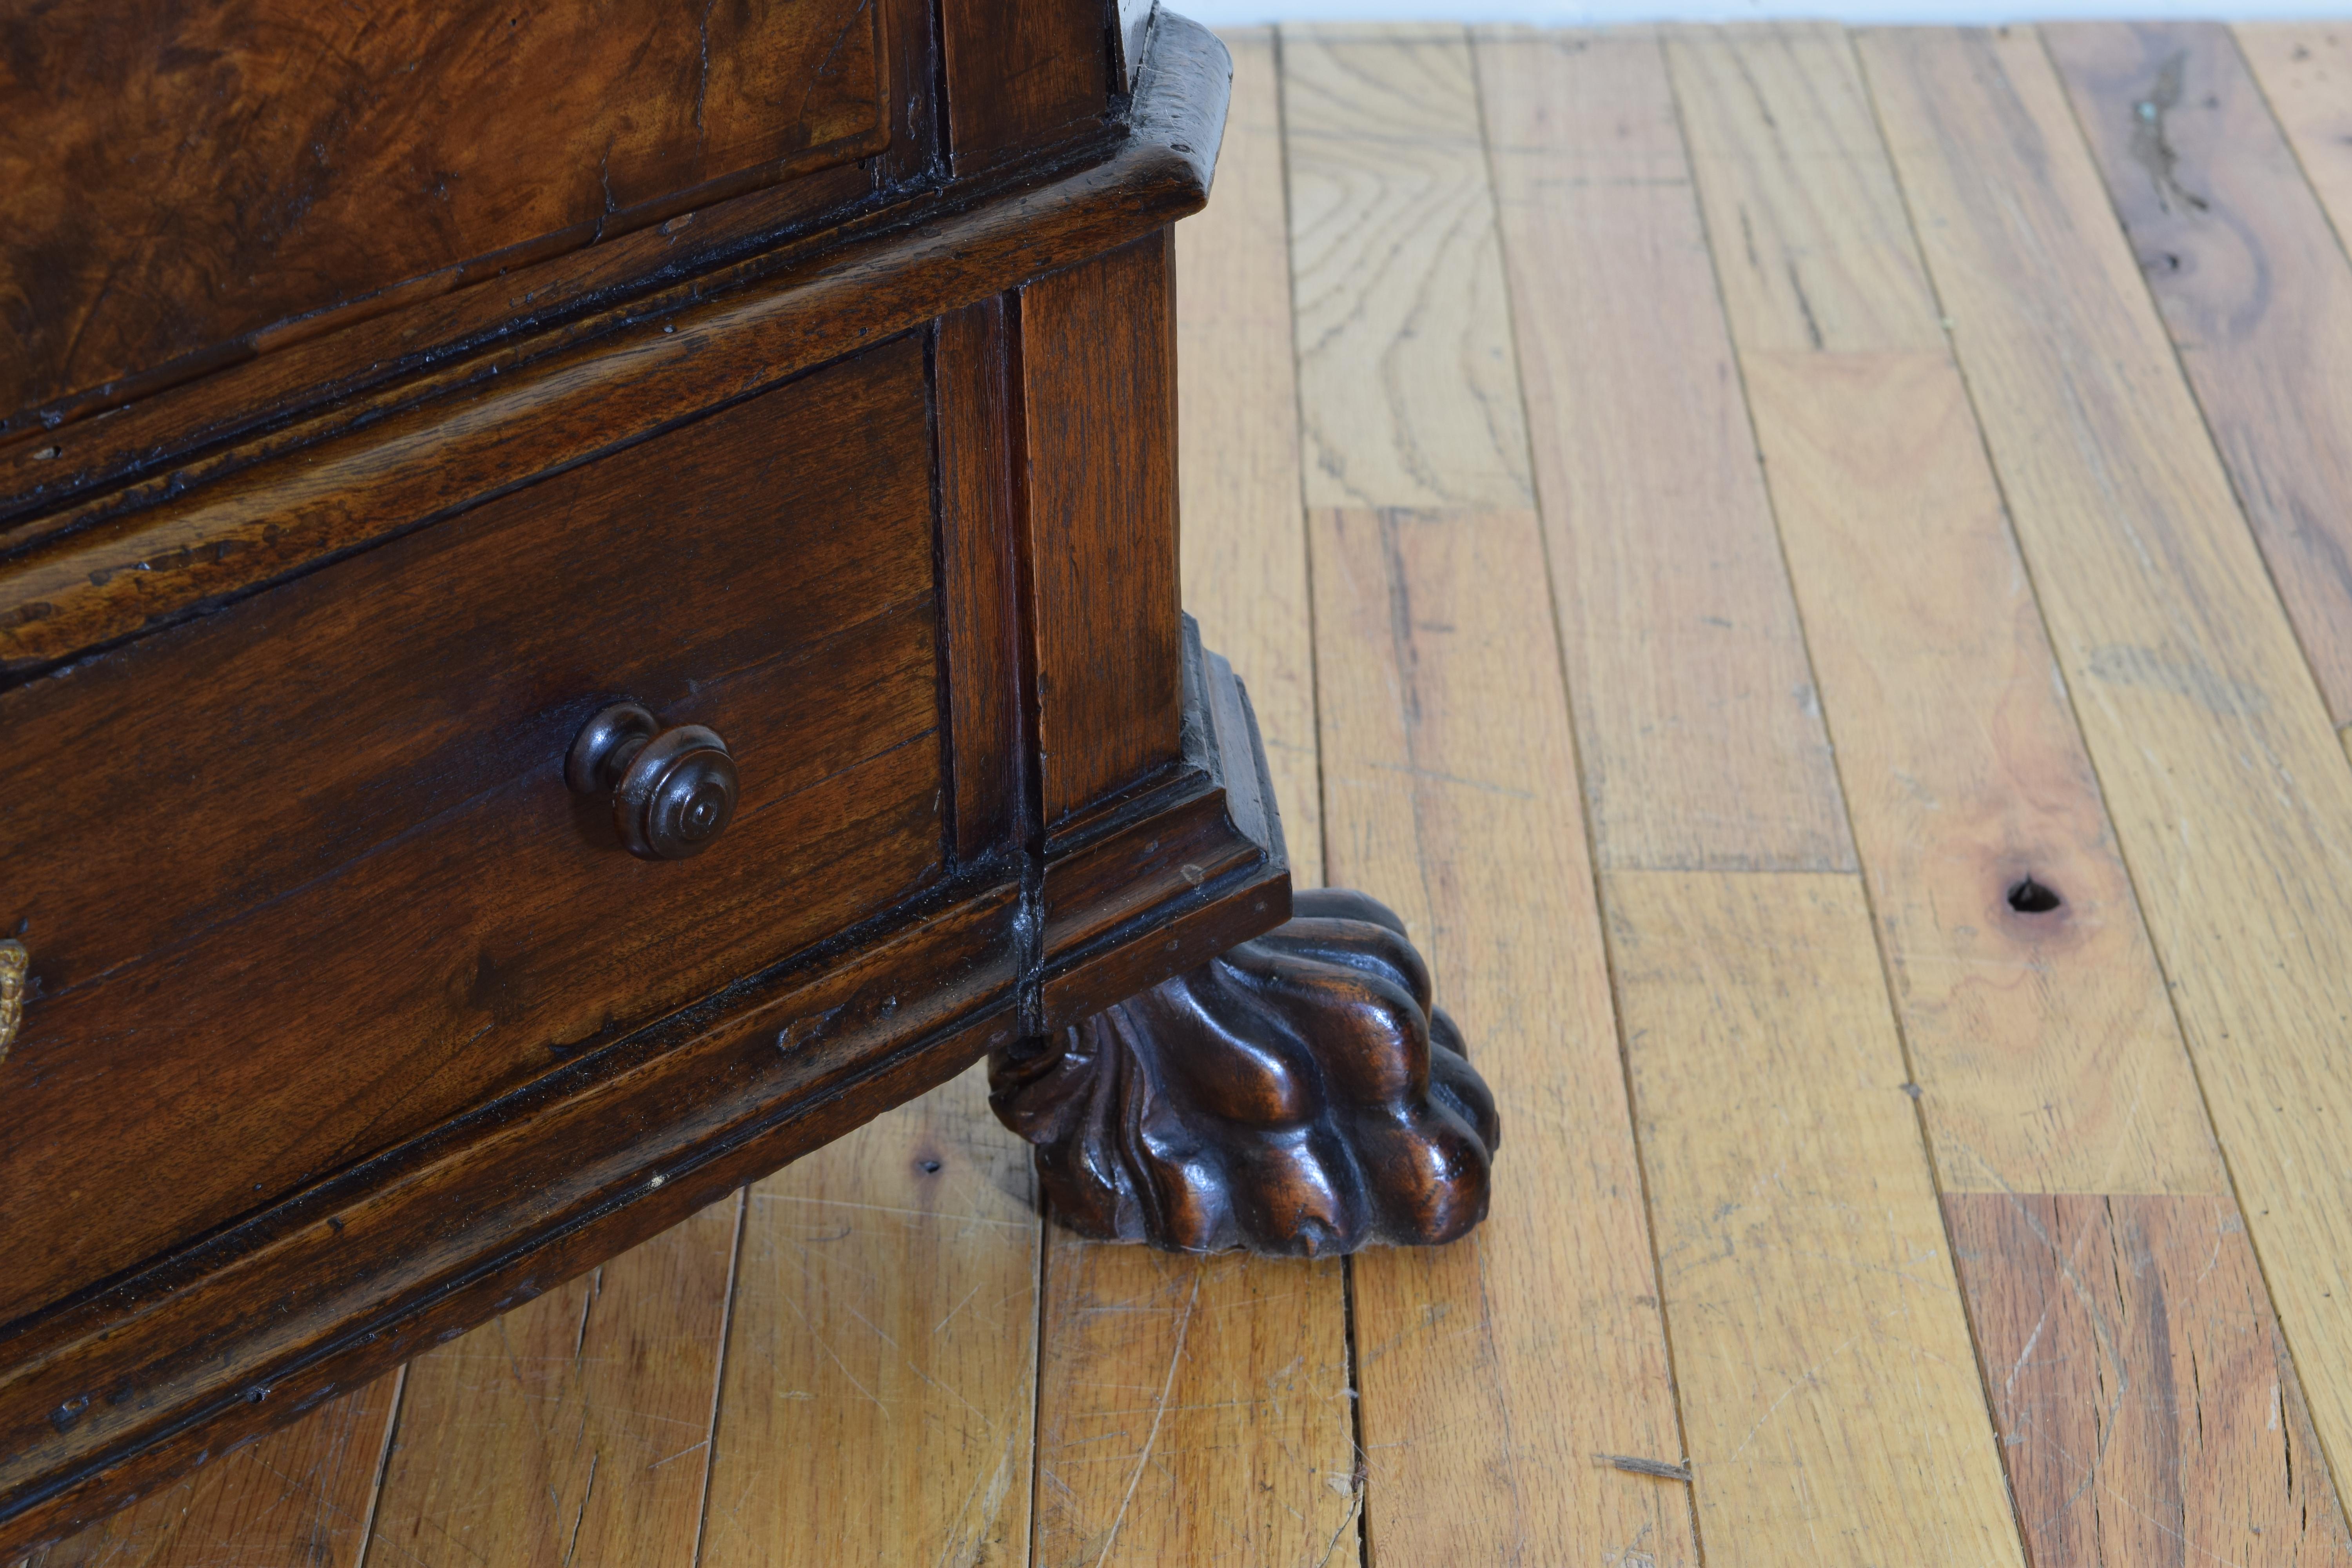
(14, 962)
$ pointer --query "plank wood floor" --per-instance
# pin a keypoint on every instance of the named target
(1814, 569)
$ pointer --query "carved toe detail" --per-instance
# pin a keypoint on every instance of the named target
(1294, 1095)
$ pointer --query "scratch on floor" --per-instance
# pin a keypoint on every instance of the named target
(586, 1492)
(959, 1306)
(1168, 1386)
(1801, 1380)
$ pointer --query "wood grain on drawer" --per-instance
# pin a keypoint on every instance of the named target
(200, 180)
(303, 879)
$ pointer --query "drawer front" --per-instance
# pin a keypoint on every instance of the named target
(183, 176)
(303, 879)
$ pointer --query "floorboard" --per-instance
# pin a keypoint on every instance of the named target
(1490, 1374)
(579, 1421)
(880, 1380)
(1696, 721)
(1193, 1410)
(2305, 70)
(1820, 1345)
(2253, 289)
(2149, 1410)
(1828, 1387)
(2047, 1057)
(1496, 1373)
(1408, 392)
(2213, 748)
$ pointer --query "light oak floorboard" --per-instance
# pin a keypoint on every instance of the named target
(2229, 798)
(2147, 1406)
(2048, 1057)
(1493, 1370)
(881, 1377)
(1194, 1410)
(2306, 72)
(575, 1428)
(1807, 228)
(2252, 287)
(1697, 720)
(2047, 1053)
(1408, 388)
(1828, 1387)
(1821, 1348)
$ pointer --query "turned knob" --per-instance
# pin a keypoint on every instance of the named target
(673, 790)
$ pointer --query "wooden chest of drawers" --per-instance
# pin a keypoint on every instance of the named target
(583, 608)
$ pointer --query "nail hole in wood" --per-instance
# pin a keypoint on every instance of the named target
(930, 1167)
(2030, 898)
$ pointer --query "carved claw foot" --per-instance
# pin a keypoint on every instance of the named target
(1294, 1095)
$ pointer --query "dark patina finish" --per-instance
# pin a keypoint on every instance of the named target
(805, 375)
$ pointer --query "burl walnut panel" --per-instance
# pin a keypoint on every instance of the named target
(329, 887)
(182, 176)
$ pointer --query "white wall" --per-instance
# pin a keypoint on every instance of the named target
(1600, 12)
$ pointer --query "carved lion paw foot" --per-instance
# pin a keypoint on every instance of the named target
(1294, 1095)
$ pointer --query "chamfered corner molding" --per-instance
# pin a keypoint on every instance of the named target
(1297, 1094)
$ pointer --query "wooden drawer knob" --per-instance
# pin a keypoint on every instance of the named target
(673, 790)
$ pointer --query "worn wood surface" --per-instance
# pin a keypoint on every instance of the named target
(1829, 1390)
(2047, 1055)
(1821, 1347)
(2044, 1043)
(1803, 218)
(2194, 699)
(2305, 70)
(2148, 1410)
(1193, 1409)
(583, 1416)
(1491, 1372)
(2253, 288)
(1696, 722)
(882, 1352)
(1407, 387)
